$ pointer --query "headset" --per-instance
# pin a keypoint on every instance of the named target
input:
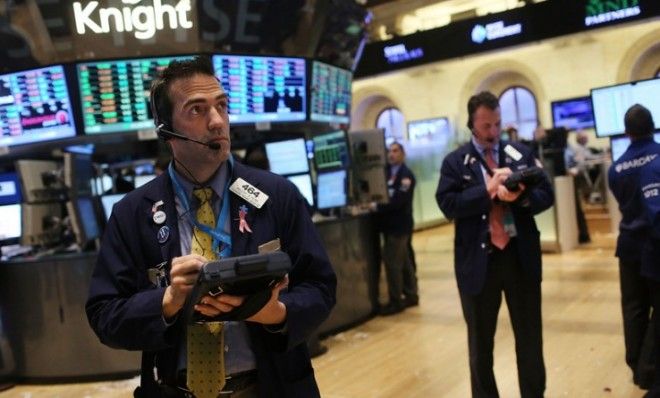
(164, 128)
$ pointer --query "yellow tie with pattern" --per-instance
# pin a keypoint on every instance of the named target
(206, 362)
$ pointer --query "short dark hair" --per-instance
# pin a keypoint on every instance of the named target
(638, 121)
(161, 104)
(397, 143)
(484, 98)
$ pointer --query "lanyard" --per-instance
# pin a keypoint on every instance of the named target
(218, 234)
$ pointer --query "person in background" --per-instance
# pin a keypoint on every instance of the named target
(650, 269)
(156, 242)
(575, 158)
(634, 233)
(396, 225)
(496, 247)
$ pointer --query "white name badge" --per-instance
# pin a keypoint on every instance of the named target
(513, 152)
(248, 192)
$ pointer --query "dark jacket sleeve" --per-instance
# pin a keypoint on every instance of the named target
(535, 199)
(456, 197)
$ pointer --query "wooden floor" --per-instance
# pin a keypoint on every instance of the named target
(423, 351)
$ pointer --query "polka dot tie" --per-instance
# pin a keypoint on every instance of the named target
(206, 362)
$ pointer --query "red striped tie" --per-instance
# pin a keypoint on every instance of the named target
(498, 235)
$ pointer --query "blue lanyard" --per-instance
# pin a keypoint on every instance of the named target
(218, 234)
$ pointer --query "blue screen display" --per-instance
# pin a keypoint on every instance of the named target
(331, 189)
(35, 106)
(331, 150)
(573, 113)
(331, 93)
(287, 157)
(263, 89)
(10, 189)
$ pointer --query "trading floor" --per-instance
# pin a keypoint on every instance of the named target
(422, 352)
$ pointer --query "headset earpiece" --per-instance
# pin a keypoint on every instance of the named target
(153, 104)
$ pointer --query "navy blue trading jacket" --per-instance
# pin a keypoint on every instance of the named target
(396, 216)
(125, 309)
(462, 196)
(623, 179)
(650, 186)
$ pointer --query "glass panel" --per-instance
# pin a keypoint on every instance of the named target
(508, 108)
(526, 104)
(393, 122)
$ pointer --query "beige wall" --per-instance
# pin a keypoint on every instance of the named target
(559, 68)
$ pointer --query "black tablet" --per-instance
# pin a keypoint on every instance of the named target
(252, 276)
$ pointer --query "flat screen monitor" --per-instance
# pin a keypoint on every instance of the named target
(304, 184)
(10, 227)
(108, 201)
(78, 173)
(331, 189)
(331, 150)
(140, 180)
(618, 145)
(573, 113)
(611, 103)
(330, 93)
(83, 220)
(428, 129)
(287, 157)
(263, 89)
(35, 106)
(10, 189)
(115, 94)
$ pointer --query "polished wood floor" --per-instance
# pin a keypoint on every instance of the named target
(423, 351)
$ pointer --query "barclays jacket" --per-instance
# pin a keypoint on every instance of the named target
(462, 196)
(124, 307)
(650, 190)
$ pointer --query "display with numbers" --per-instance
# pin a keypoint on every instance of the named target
(115, 94)
(331, 150)
(263, 89)
(330, 93)
(35, 106)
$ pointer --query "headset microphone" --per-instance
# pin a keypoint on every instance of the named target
(162, 131)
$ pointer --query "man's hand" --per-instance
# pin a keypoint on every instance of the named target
(507, 196)
(183, 275)
(498, 178)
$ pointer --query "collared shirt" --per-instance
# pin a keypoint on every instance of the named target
(482, 151)
(239, 356)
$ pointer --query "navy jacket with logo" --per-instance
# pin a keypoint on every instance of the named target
(462, 196)
(396, 217)
(125, 309)
(650, 186)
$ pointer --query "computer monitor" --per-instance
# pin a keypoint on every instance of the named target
(263, 89)
(108, 201)
(572, 113)
(330, 89)
(619, 144)
(35, 106)
(304, 184)
(78, 173)
(287, 157)
(611, 103)
(83, 220)
(331, 150)
(140, 180)
(331, 189)
(10, 227)
(114, 94)
(429, 129)
(10, 189)
(40, 180)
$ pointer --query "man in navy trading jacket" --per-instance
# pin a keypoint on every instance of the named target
(396, 223)
(634, 233)
(650, 183)
(152, 230)
(497, 247)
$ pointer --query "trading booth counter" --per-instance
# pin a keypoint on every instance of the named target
(42, 307)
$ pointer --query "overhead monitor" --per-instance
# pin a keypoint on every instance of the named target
(331, 189)
(573, 113)
(35, 106)
(304, 184)
(263, 89)
(10, 227)
(10, 189)
(108, 201)
(429, 129)
(611, 103)
(331, 150)
(330, 89)
(115, 94)
(287, 157)
(83, 220)
(619, 144)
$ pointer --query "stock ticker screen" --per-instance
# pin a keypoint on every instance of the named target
(115, 94)
(263, 89)
(331, 93)
(35, 106)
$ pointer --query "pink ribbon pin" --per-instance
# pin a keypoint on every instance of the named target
(242, 224)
